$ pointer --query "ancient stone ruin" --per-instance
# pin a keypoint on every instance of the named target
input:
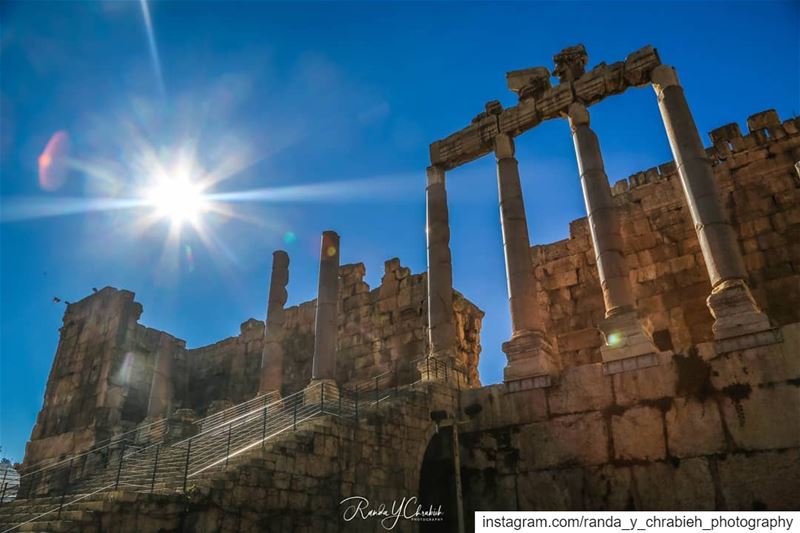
(654, 362)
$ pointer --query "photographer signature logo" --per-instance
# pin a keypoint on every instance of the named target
(359, 508)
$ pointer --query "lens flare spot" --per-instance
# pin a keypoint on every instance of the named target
(53, 162)
(289, 237)
(189, 257)
(614, 339)
(331, 251)
(126, 369)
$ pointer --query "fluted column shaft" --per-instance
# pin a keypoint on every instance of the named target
(716, 235)
(522, 286)
(602, 214)
(272, 353)
(739, 322)
(324, 363)
(628, 341)
(441, 320)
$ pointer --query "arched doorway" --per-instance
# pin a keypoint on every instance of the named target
(437, 486)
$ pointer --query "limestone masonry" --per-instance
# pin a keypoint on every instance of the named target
(653, 362)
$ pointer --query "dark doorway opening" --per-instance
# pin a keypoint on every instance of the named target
(437, 485)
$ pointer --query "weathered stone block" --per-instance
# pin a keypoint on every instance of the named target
(764, 364)
(608, 488)
(564, 440)
(763, 418)
(550, 490)
(638, 434)
(761, 481)
(581, 388)
(687, 486)
(649, 383)
(694, 428)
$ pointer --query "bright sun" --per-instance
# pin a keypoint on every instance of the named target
(178, 199)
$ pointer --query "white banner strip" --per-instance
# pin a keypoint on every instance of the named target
(650, 521)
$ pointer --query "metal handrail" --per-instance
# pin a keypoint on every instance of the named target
(215, 446)
(222, 415)
(55, 509)
(105, 444)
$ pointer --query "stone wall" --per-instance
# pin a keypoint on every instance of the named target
(760, 184)
(99, 383)
(697, 432)
(378, 328)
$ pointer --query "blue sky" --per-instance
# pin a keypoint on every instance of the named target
(334, 104)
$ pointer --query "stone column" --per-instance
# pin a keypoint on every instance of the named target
(731, 303)
(529, 352)
(324, 363)
(626, 336)
(272, 352)
(441, 319)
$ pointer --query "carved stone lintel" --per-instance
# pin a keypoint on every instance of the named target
(528, 82)
(539, 101)
(570, 63)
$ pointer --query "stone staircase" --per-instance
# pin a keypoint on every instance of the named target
(168, 468)
(166, 471)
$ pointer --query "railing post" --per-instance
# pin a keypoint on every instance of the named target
(377, 392)
(64, 488)
(294, 416)
(186, 466)
(264, 427)
(339, 390)
(228, 445)
(119, 465)
(322, 397)
(356, 394)
(3, 494)
(396, 378)
(428, 368)
(446, 378)
(155, 468)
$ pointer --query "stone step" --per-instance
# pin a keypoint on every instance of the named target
(135, 476)
(57, 526)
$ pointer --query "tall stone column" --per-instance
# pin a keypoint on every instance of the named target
(324, 363)
(441, 319)
(530, 355)
(272, 353)
(626, 336)
(731, 303)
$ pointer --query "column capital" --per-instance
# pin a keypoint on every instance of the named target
(503, 146)
(435, 175)
(578, 115)
(664, 76)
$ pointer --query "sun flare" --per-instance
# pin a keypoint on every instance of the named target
(178, 199)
